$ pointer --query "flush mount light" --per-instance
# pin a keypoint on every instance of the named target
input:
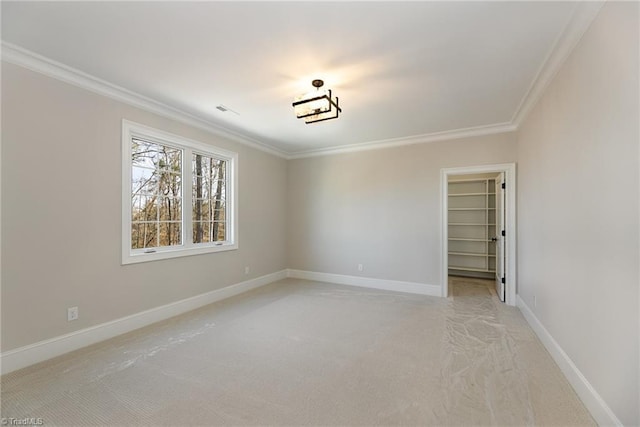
(316, 106)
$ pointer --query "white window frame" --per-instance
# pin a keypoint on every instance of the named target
(131, 130)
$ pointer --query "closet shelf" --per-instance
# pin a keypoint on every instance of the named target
(470, 223)
(481, 270)
(472, 254)
(472, 209)
(459, 239)
(467, 194)
(471, 194)
(471, 213)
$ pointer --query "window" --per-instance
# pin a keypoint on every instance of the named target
(163, 174)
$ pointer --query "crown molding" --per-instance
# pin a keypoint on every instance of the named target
(583, 15)
(410, 140)
(22, 57)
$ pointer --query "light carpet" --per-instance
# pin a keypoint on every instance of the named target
(307, 353)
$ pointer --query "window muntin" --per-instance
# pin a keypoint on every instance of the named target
(178, 196)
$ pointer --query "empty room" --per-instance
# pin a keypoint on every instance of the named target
(320, 213)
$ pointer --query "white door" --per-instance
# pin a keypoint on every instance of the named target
(500, 237)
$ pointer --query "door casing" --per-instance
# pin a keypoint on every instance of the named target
(500, 221)
(509, 170)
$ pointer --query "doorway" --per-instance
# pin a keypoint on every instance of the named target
(478, 226)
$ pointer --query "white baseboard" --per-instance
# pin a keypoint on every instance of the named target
(600, 411)
(368, 282)
(38, 352)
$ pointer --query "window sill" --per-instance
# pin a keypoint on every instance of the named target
(129, 258)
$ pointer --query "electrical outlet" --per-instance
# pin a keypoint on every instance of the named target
(247, 270)
(72, 313)
(360, 267)
(535, 301)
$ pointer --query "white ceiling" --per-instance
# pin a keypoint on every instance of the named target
(401, 69)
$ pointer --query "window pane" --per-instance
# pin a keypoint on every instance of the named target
(155, 156)
(218, 231)
(200, 189)
(219, 215)
(136, 237)
(144, 235)
(170, 159)
(201, 232)
(205, 210)
(208, 192)
(205, 189)
(170, 209)
(156, 195)
(222, 167)
(201, 166)
(169, 184)
(170, 234)
(143, 181)
(144, 208)
(144, 153)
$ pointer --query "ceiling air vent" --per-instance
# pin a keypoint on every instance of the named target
(224, 109)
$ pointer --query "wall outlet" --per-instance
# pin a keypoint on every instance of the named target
(72, 313)
(247, 270)
(535, 301)
(360, 267)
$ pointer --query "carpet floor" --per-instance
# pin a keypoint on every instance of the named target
(307, 353)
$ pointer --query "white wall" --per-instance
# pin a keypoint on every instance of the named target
(379, 208)
(578, 208)
(61, 202)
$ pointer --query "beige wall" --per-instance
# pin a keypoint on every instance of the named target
(61, 198)
(379, 208)
(578, 208)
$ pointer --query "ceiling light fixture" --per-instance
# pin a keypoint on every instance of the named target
(316, 106)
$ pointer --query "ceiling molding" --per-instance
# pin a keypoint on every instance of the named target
(43, 65)
(584, 13)
(415, 139)
(580, 20)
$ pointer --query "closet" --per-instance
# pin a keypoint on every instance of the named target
(472, 225)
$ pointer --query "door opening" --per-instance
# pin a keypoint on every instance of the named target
(478, 226)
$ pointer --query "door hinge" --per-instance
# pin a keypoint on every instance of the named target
(504, 185)
(503, 233)
(503, 281)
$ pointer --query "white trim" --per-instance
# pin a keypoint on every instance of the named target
(408, 140)
(19, 56)
(509, 170)
(589, 396)
(34, 353)
(583, 15)
(1, 199)
(43, 65)
(131, 130)
(367, 282)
